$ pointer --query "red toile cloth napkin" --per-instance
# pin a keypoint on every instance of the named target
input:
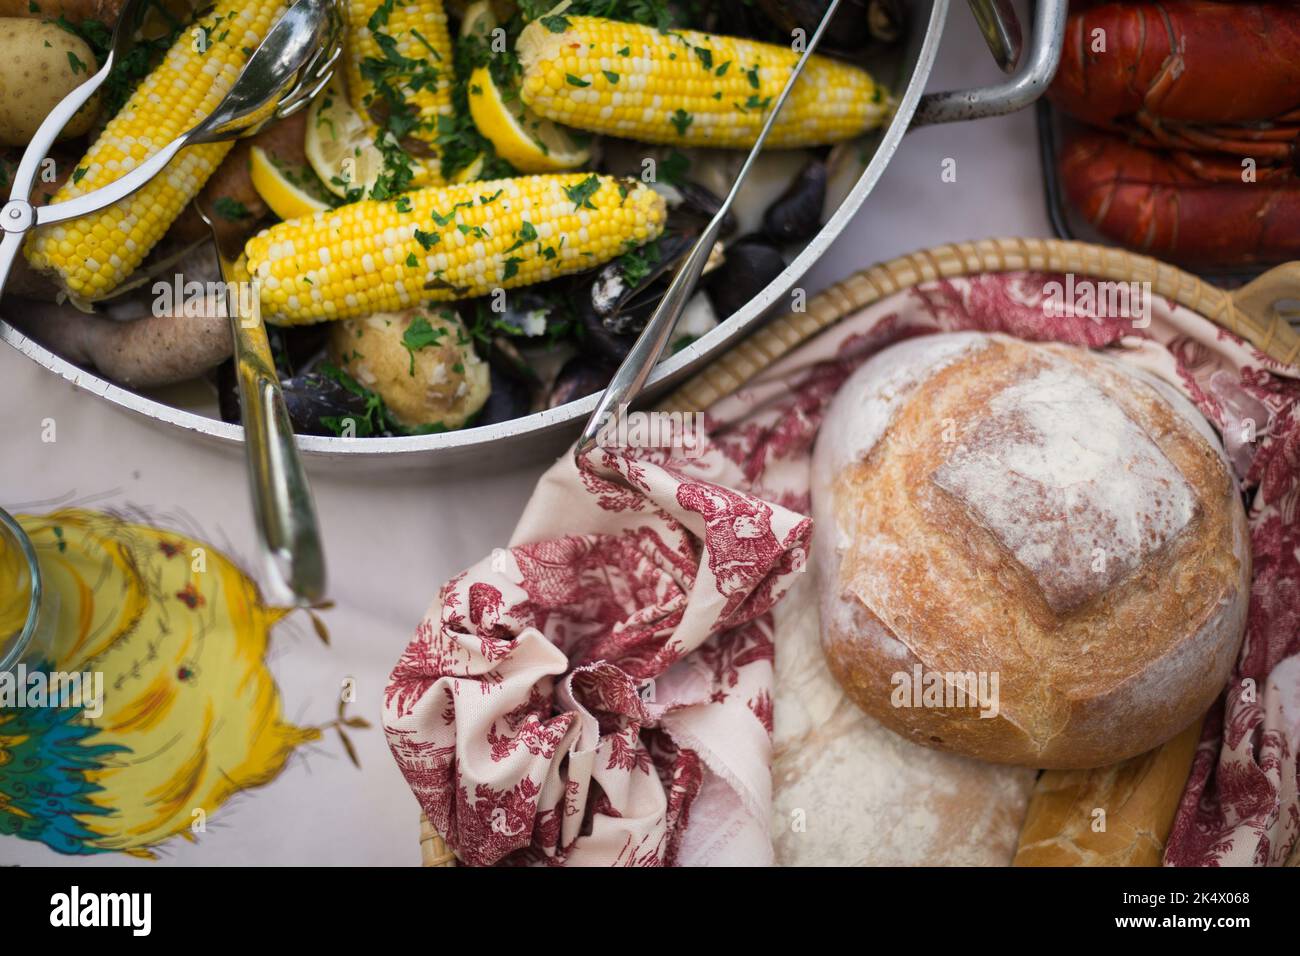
(600, 691)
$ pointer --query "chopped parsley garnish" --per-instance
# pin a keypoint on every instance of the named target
(581, 193)
(752, 73)
(370, 423)
(418, 335)
(458, 140)
(402, 131)
(230, 209)
(451, 216)
(555, 24)
(127, 70)
(425, 43)
(427, 239)
(575, 80)
(403, 204)
(379, 19)
(706, 57)
(512, 268)
(636, 264)
(526, 234)
(610, 75)
(674, 167)
(681, 120)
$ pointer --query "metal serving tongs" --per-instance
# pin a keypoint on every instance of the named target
(18, 216)
(631, 376)
(292, 64)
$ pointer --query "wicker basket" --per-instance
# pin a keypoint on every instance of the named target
(1249, 312)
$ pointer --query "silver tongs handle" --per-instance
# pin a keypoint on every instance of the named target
(18, 215)
(282, 501)
(640, 362)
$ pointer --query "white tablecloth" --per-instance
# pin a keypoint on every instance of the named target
(391, 543)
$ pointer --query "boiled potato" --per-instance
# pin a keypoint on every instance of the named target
(40, 64)
(421, 362)
(74, 11)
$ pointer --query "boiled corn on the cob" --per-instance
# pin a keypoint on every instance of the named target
(400, 73)
(686, 87)
(91, 256)
(445, 243)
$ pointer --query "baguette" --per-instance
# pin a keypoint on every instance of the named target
(1109, 816)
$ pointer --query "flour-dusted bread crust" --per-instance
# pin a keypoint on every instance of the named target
(1038, 515)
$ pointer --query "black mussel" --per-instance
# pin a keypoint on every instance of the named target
(228, 392)
(529, 313)
(298, 347)
(621, 294)
(691, 207)
(319, 404)
(740, 18)
(886, 19)
(510, 398)
(854, 25)
(750, 264)
(502, 354)
(797, 213)
(579, 376)
(601, 342)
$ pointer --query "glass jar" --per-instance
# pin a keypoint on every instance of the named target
(27, 616)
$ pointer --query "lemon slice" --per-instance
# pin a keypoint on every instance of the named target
(290, 192)
(342, 152)
(471, 171)
(479, 21)
(531, 144)
(338, 144)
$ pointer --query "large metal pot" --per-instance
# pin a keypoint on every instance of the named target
(545, 434)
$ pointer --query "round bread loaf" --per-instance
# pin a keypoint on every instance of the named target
(1032, 554)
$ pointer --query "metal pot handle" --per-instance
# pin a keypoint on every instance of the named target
(1016, 93)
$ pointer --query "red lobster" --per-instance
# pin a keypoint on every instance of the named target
(1140, 199)
(1195, 88)
(1190, 75)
